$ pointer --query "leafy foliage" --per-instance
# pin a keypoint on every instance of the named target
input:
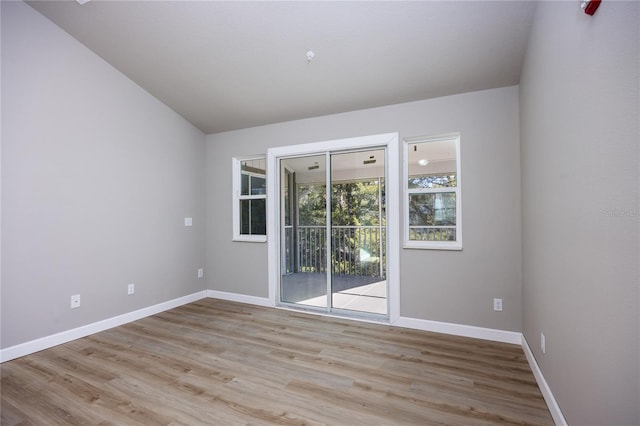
(433, 181)
(312, 210)
(353, 204)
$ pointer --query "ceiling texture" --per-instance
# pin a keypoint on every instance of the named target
(231, 65)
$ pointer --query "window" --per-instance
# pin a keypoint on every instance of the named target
(432, 193)
(249, 199)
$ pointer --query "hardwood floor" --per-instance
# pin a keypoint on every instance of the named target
(224, 363)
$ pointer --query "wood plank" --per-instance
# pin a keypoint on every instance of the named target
(219, 362)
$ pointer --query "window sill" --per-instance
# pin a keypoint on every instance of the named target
(250, 238)
(422, 245)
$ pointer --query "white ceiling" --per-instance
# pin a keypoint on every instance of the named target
(230, 65)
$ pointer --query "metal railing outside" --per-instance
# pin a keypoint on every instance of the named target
(432, 233)
(355, 250)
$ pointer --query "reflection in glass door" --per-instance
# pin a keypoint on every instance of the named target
(333, 251)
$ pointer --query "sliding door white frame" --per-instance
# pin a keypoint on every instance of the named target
(392, 171)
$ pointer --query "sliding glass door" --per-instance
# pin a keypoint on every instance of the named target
(333, 231)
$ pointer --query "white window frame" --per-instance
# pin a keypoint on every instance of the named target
(432, 245)
(237, 197)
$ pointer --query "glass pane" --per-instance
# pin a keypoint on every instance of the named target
(286, 194)
(258, 215)
(356, 203)
(289, 246)
(244, 184)
(304, 242)
(432, 217)
(257, 166)
(311, 204)
(432, 164)
(258, 185)
(288, 179)
(358, 259)
(432, 181)
(420, 233)
(432, 209)
(253, 174)
(245, 215)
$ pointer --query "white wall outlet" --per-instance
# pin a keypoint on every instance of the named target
(543, 344)
(497, 305)
(131, 288)
(188, 221)
(75, 301)
(200, 272)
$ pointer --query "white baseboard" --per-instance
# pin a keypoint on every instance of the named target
(460, 330)
(37, 345)
(241, 298)
(440, 327)
(554, 408)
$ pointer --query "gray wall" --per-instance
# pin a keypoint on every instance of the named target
(449, 286)
(579, 130)
(97, 176)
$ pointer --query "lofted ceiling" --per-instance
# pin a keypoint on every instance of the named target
(231, 65)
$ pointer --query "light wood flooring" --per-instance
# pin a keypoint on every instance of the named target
(223, 363)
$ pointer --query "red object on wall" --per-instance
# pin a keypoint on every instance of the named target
(591, 7)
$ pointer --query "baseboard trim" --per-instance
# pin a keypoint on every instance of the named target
(460, 330)
(37, 345)
(552, 404)
(241, 298)
(418, 324)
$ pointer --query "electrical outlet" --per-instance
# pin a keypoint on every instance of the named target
(543, 344)
(497, 305)
(131, 288)
(200, 272)
(75, 301)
